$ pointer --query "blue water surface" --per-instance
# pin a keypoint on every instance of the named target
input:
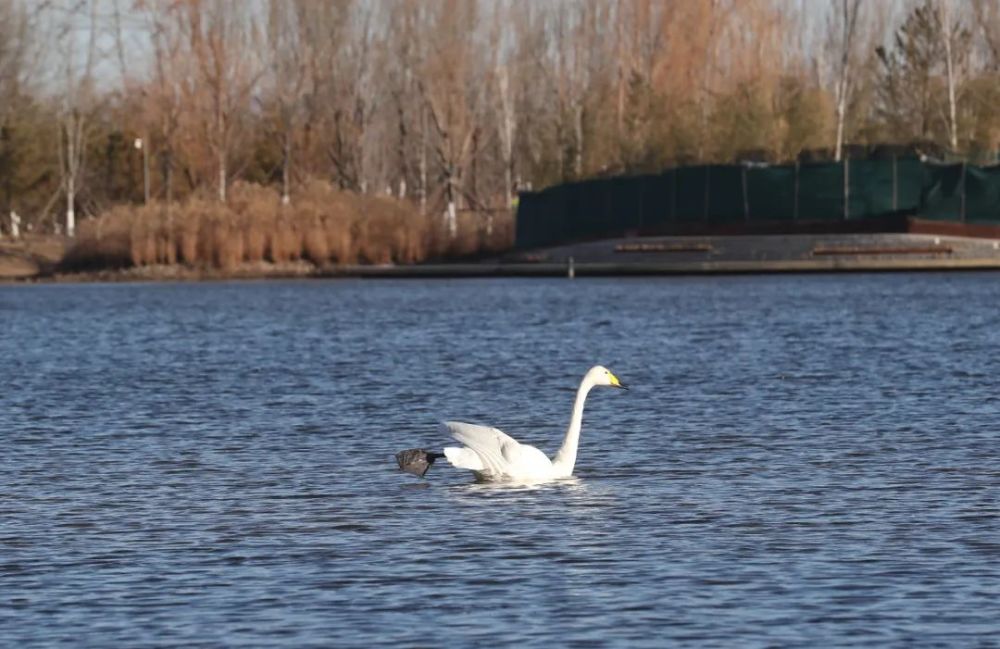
(802, 461)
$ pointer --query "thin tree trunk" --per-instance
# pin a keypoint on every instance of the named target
(70, 199)
(508, 179)
(620, 38)
(508, 122)
(286, 162)
(145, 170)
(841, 109)
(168, 176)
(474, 168)
(578, 133)
(849, 17)
(73, 127)
(423, 161)
(222, 177)
(451, 216)
(946, 30)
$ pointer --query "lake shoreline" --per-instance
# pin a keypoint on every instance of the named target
(635, 256)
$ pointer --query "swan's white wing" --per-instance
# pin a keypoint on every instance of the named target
(463, 458)
(494, 447)
(500, 454)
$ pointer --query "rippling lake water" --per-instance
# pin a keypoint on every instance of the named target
(802, 460)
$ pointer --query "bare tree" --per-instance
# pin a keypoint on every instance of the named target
(452, 89)
(164, 93)
(949, 27)
(342, 39)
(914, 76)
(508, 73)
(987, 19)
(77, 95)
(452, 103)
(506, 128)
(222, 41)
(400, 69)
(577, 26)
(14, 50)
(15, 66)
(355, 104)
(845, 28)
(288, 78)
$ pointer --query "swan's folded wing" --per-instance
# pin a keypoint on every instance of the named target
(494, 447)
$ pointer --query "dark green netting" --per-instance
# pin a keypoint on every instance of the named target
(690, 185)
(626, 204)
(733, 194)
(593, 208)
(982, 194)
(771, 193)
(961, 193)
(941, 199)
(529, 216)
(668, 184)
(654, 195)
(880, 187)
(821, 192)
(725, 194)
(909, 182)
(585, 204)
(541, 217)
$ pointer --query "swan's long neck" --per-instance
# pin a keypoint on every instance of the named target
(565, 458)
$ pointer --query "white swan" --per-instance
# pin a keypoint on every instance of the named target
(494, 456)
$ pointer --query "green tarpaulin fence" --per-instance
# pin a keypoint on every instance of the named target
(713, 195)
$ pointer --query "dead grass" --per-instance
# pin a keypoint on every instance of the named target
(322, 226)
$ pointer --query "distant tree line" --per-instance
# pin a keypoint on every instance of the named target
(455, 105)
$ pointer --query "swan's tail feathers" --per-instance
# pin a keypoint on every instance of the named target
(416, 460)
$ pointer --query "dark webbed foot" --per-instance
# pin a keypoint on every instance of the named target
(416, 460)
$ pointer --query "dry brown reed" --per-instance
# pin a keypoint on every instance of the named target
(104, 242)
(321, 225)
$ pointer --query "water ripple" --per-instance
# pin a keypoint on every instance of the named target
(802, 461)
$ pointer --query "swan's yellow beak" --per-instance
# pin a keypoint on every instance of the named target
(616, 383)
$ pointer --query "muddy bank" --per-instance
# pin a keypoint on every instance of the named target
(30, 256)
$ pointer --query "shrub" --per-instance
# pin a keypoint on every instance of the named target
(321, 225)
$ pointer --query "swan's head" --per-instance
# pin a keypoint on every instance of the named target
(600, 375)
